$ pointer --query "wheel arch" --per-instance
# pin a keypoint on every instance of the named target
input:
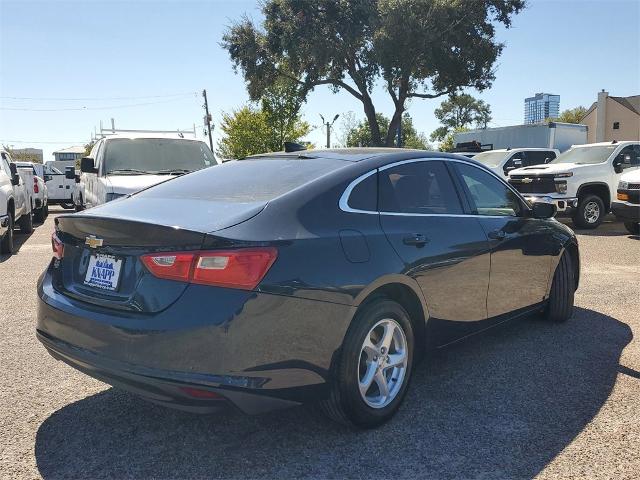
(407, 293)
(601, 189)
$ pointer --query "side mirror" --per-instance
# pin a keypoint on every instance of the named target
(15, 177)
(543, 210)
(69, 173)
(47, 178)
(87, 165)
(617, 166)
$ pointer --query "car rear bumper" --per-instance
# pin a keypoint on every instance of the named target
(258, 351)
(625, 211)
(563, 205)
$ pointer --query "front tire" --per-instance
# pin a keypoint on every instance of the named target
(590, 212)
(561, 298)
(26, 223)
(79, 206)
(632, 227)
(373, 370)
(6, 245)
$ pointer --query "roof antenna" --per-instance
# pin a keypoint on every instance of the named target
(293, 147)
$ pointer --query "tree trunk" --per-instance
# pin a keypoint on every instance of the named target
(370, 112)
(393, 126)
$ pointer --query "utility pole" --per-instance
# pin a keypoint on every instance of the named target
(207, 118)
(328, 126)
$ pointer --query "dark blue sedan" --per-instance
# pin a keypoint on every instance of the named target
(288, 278)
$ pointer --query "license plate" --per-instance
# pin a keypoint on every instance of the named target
(103, 272)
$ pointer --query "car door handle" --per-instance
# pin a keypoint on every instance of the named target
(497, 235)
(415, 239)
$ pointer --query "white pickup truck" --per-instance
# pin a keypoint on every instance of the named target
(40, 192)
(120, 165)
(505, 160)
(582, 181)
(60, 188)
(15, 201)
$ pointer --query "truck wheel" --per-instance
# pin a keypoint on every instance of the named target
(79, 206)
(67, 206)
(371, 375)
(46, 210)
(560, 305)
(38, 215)
(590, 212)
(632, 227)
(26, 223)
(6, 245)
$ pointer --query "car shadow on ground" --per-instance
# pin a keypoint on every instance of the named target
(19, 239)
(610, 227)
(501, 405)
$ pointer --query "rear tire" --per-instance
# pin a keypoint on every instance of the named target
(590, 212)
(560, 305)
(39, 216)
(6, 245)
(632, 227)
(377, 351)
(26, 223)
(79, 206)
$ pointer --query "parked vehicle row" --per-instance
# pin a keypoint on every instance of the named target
(505, 160)
(294, 277)
(582, 181)
(40, 198)
(16, 201)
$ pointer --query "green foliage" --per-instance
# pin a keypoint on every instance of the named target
(447, 144)
(414, 48)
(460, 111)
(572, 115)
(250, 130)
(87, 148)
(359, 135)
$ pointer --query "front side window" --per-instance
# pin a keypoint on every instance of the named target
(490, 196)
(629, 156)
(423, 187)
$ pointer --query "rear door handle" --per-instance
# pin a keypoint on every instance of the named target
(415, 239)
(497, 235)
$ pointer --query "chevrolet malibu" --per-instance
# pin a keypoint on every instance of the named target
(299, 277)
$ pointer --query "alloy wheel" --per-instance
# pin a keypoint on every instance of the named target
(591, 212)
(383, 363)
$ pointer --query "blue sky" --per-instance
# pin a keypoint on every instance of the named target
(160, 53)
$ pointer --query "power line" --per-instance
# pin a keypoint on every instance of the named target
(69, 109)
(52, 143)
(78, 99)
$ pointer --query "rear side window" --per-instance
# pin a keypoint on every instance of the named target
(245, 181)
(364, 195)
(418, 187)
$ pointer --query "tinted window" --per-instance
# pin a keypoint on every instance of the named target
(418, 187)
(364, 195)
(629, 156)
(244, 181)
(490, 195)
(539, 157)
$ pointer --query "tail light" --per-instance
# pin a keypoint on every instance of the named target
(35, 186)
(242, 268)
(57, 246)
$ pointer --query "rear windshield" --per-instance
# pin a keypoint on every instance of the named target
(155, 155)
(245, 181)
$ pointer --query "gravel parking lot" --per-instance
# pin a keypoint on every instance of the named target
(525, 399)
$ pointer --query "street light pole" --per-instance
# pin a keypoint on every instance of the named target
(328, 126)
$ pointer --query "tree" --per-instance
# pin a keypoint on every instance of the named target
(447, 144)
(460, 111)
(359, 135)
(415, 48)
(572, 115)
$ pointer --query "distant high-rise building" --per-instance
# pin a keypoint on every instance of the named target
(540, 107)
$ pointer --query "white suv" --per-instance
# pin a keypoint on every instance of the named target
(582, 181)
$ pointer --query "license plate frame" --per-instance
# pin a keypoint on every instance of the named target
(103, 272)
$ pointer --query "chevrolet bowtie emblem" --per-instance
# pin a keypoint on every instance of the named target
(93, 242)
(527, 180)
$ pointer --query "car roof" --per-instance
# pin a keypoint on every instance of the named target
(353, 154)
(607, 144)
